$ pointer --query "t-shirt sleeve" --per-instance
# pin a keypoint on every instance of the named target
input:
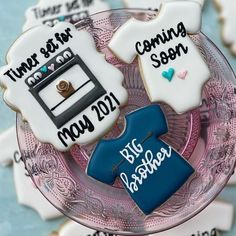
(188, 12)
(122, 43)
(100, 166)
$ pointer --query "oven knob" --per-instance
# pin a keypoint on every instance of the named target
(31, 81)
(49, 23)
(67, 55)
(38, 76)
(60, 59)
(65, 88)
(83, 15)
(55, 22)
(75, 18)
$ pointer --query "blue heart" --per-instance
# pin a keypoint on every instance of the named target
(44, 69)
(61, 18)
(168, 74)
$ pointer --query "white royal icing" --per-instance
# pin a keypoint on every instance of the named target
(227, 15)
(217, 216)
(54, 11)
(62, 86)
(27, 194)
(151, 4)
(172, 68)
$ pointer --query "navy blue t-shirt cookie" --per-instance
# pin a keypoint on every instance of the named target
(150, 170)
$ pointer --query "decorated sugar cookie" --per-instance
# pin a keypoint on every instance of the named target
(26, 192)
(150, 170)
(217, 216)
(227, 10)
(62, 86)
(72, 228)
(172, 68)
(151, 4)
(54, 11)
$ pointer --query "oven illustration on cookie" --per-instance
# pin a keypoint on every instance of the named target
(72, 18)
(67, 80)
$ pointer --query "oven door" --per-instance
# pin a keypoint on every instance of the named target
(85, 90)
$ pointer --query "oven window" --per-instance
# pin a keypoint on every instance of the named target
(81, 85)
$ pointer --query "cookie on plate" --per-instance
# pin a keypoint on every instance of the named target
(54, 11)
(62, 85)
(26, 192)
(172, 68)
(150, 4)
(227, 9)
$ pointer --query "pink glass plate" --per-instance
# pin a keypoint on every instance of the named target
(205, 137)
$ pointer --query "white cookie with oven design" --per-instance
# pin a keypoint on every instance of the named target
(26, 192)
(54, 11)
(173, 70)
(227, 10)
(62, 85)
(151, 4)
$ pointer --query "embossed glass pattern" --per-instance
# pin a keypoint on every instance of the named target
(206, 137)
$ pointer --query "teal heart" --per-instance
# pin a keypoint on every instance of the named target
(44, 69)
(61, 18)
(168, 74)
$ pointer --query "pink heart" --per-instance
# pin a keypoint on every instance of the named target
(51, 67)
(182, 74)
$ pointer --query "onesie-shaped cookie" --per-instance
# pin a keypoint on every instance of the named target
(26, 192)
(227, 16)
(151, 4)
(62, 86)
(150, 170)
(172, 68)
(51, 12)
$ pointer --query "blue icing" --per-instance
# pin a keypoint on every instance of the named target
(158, 171)
(168, 74)
(61, 18)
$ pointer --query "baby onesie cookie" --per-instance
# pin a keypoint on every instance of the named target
(172, 68)
(217, 216)
(54, 11)
(150, 170)
(32, 197)
(227, 10)
(151, 4)
(72, 228)
(62, 86)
